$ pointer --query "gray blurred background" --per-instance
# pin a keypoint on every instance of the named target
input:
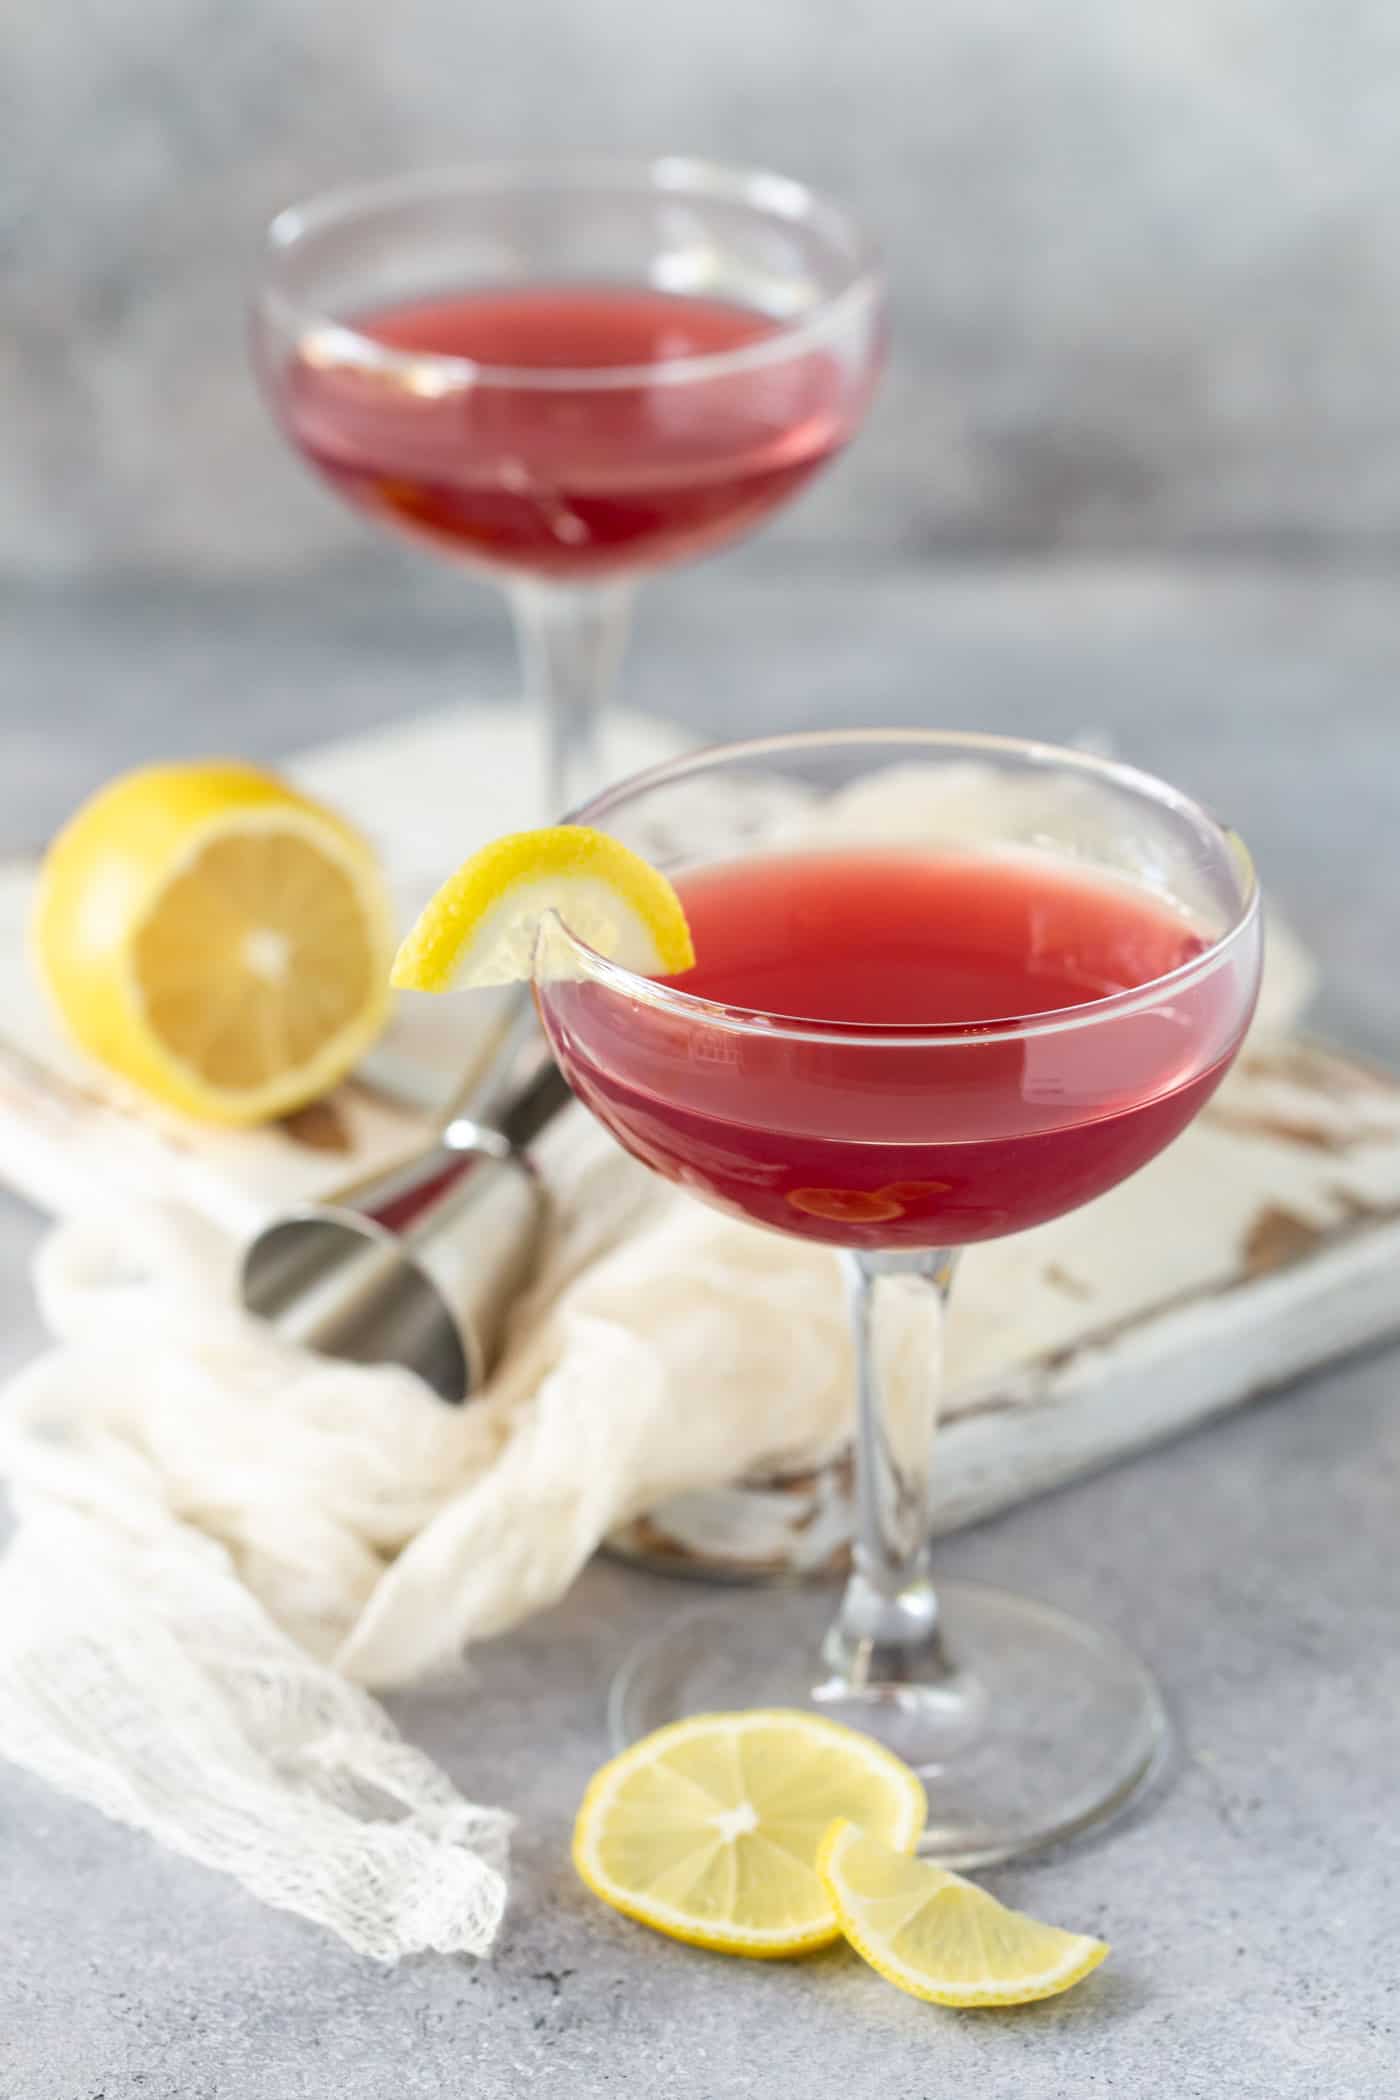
(1146, 256)
(1135, 470)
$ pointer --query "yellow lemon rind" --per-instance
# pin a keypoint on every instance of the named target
(481, 926)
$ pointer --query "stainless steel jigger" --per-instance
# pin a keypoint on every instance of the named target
(418, 1265)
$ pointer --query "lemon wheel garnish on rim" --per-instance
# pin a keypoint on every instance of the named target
(219, 940)
(483, 925)
(940, 1937)
(708, 1830)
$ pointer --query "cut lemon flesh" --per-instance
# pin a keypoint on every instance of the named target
(215, 938)
(939, 1937)
(709, 1830)
(483, 925)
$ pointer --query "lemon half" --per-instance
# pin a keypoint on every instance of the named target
(216, 938)
(482, 927)
(709, 1830)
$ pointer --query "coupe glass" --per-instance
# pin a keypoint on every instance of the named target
(565, 375)
(900, 1144)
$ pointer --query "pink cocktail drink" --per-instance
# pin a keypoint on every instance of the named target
(579, 457)
(869, 1135)
(564, 374)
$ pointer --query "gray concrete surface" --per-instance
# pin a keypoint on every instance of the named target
(1254, 1905)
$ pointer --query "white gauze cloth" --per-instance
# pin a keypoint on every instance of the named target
(221, 1539)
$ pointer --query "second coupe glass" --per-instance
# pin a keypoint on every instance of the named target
(566, 375)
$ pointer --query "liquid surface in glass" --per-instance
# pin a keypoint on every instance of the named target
(566, 481)
(879, 1143)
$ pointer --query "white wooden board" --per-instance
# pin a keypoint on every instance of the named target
(1265, 1242)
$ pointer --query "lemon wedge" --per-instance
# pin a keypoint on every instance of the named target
(708, 1830)
(939, 1937)
(215, 938)
(483, 925)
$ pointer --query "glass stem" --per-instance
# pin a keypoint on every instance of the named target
(571, 641)
(887, 1631)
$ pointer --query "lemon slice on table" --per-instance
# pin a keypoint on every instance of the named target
(709, 1830)
(217, 939)
(939, 1937)
(482, 927)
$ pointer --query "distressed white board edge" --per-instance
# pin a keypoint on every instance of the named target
(1167, 1374)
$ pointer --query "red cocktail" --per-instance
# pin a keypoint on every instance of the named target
(565, 375)
(874, 1143)
(568, 480)
(902, 1037)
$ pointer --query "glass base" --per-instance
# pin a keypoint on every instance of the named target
(1029, 1726)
